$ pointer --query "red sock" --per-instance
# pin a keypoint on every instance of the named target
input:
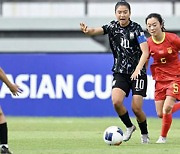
(176, 107)
(166, 124)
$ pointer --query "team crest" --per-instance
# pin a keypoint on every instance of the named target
(169, 50)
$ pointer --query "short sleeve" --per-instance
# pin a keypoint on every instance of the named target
(108, 27)
(140, 35)
(105, 28)
(176, 41)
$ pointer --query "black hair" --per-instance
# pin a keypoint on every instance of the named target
(158, 17)
(123, 2)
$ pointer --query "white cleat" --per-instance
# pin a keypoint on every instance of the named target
(145, 139)
(128, 133)
(161, 140)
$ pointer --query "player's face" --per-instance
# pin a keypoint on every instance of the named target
(122, 14)
(154, 27)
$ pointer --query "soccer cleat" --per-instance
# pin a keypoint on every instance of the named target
(161, 140)
(5, 150)
(145, 139)
(128, 133)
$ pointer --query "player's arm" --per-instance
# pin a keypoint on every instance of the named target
(177, 42)
(145, 54)
(91, 31)
(13, 87)
(175, 39)
(144, 57)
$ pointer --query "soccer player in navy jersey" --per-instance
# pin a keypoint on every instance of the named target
(130, 50)
(3, 124)
(164, 47)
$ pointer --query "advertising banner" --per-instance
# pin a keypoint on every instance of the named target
(63, 84)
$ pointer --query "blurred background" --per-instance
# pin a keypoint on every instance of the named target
(62, 71)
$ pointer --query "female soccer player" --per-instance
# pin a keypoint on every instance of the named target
(3, 124)
(130, 50)
(164, 47)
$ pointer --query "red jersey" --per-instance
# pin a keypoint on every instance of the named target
(166, 65)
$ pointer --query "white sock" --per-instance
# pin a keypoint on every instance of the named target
(6, 145)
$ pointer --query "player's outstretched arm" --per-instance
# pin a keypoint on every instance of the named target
(91, 31)
(12, 87)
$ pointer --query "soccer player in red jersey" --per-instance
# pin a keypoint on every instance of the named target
(164, 47)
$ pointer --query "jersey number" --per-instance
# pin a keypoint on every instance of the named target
(139, 84)
(124, 43)
(175, 88)
(163, 60)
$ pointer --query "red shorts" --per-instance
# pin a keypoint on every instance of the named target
(167, 88)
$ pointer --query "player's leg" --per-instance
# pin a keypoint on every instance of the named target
(159, 108)
(118, 96)
(167, 118)
(137, 104)
(3, 134)
(160, 96)
(119, 92)
(172, 94)
(167, 115)
(3, 128)
(139, 87)
(176, 107)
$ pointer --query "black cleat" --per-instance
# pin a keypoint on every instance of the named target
(5, 150)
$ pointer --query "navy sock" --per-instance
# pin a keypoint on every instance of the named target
(143, 127)
(126, 119)
(3, 133)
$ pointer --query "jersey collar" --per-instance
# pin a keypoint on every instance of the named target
(159, 42)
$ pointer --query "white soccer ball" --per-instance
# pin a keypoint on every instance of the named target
(113, 135)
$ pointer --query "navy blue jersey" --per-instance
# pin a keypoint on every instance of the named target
(125, 45)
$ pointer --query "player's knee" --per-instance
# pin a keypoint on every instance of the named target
(137, 110)
(168, 109)
(160, 115)
(117, 103)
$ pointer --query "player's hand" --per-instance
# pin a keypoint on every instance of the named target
(135, 74)
(15, 89)
(84, 27)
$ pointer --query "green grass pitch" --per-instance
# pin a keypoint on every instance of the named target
(49, 135)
